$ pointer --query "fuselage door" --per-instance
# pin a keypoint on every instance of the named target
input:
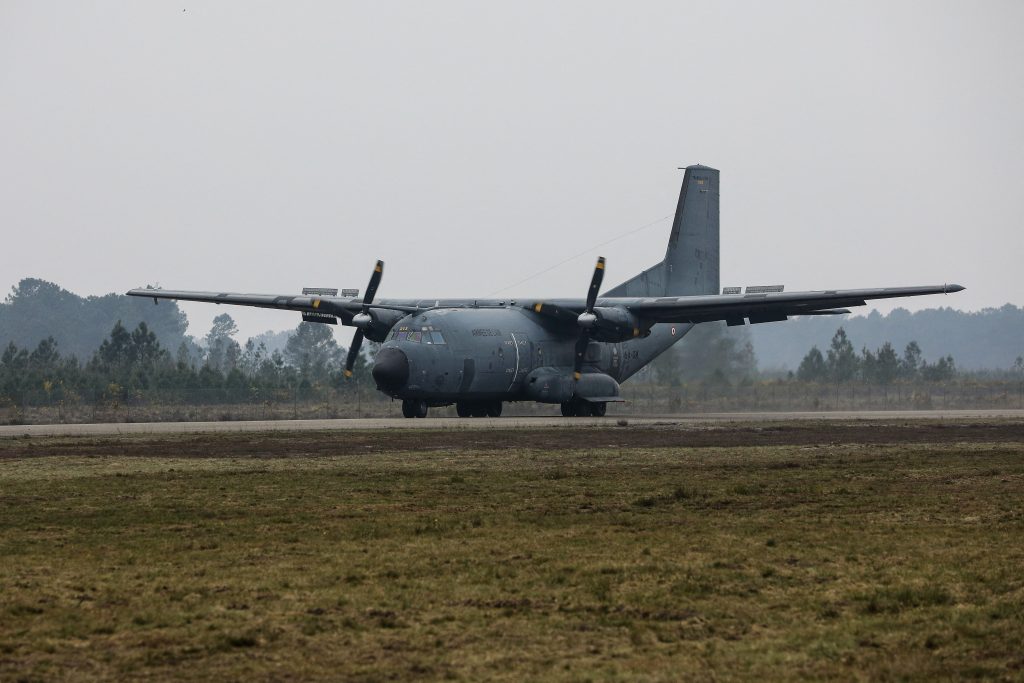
(468, 373)
(517, 357)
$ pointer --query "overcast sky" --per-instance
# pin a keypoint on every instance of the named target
(263, 147)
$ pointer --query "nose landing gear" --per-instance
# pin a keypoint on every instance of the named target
(414, 407)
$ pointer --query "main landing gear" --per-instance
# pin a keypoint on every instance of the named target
(414, 407)
(578, 408)
(478, 408)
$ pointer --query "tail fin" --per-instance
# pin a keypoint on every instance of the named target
(692, 259)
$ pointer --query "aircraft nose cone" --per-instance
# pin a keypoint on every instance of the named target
(391, 369)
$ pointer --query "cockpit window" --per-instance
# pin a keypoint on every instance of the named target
(427, 335)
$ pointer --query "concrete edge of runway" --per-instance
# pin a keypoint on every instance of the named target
(136, 428)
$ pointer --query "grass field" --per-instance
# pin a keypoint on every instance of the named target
(751, 552)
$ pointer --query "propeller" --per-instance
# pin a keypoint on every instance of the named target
(587, 319)
(363, 319)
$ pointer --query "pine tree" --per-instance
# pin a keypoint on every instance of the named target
(887, 365)
(313, 350)
(812, 367)
(911, 361)
(842, 359)
(222, 351)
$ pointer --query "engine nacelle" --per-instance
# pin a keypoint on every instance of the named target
(380, 324)
(617, 324)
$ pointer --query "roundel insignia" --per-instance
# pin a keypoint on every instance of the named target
(673, 331)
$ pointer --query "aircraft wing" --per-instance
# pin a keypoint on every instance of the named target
(344, 308)
(733, 308)
(766, 307)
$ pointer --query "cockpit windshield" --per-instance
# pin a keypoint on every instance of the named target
(422, 335)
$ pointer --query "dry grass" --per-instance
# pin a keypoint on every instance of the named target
(884, 561)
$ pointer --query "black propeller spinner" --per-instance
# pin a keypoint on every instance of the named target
(587, 319)
(363, 319)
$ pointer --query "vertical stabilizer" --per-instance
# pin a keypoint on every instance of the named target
(691, 260)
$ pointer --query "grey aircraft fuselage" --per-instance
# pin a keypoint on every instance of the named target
(496, 350)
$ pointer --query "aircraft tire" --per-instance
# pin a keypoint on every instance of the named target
(463, 409)
(408, 409)
(479, 409)
(576, 408)
(494, 409)
(598, 409)
(420, 409)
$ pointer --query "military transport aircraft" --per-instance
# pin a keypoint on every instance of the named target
(478, 353)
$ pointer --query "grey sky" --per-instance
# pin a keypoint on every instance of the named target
(267, 147)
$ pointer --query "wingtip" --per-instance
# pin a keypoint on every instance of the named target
(950, 289)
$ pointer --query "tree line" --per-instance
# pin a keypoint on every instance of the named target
(841, 363)
(36, 310)
(133, 363)
(716, 357)
(988, 339)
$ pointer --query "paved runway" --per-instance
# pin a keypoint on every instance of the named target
(487, 423)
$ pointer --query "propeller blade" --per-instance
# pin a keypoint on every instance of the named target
(595, 284)
(353, 353)
(587, 320)
(357, 340)
(554, 311)
(371, 289)
(580, 352)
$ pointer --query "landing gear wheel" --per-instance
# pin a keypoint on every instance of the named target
(463, 409)
(580, 408)
(479, 410)
(494, 409)
(412, 407)
(598, 409)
